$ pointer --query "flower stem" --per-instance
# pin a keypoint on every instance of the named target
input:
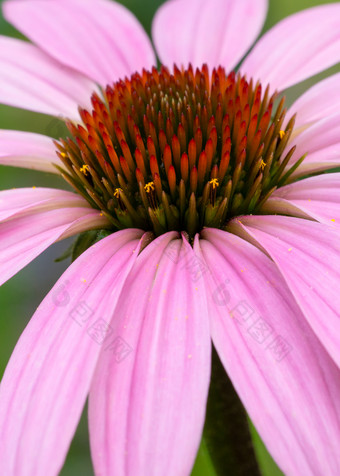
(226, 430)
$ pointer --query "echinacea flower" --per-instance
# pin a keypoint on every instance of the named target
(221, 226)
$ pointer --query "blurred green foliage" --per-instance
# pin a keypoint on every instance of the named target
(22, 294)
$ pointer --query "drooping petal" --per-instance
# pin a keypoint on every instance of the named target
(314, 197)
(31, 79)
(320, 101)
(49, 374)
(296, 48)
(197, 32)
(321, 143)
(28, 200)
(308, 255)
(148, 397)
(102, 40)
(284, 377)
(23, 238)
(28, 150)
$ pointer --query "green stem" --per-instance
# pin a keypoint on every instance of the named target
(226, 430)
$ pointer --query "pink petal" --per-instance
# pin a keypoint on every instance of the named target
(29, 200)
(296, 48)
(30, 79)
(22, 239)
(283, 375)
(28, 150)
(49, 374)
(315, 197)
(102, 40)
(147, 410)
(320, 101)
(321, 143)
(218, 32)
(308, 255)
(325, 187)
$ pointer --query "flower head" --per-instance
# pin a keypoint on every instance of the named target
(179, 150)
(210, 229)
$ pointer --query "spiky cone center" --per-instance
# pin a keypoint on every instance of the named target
(178, 150)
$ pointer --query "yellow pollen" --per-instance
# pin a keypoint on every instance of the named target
(117, 192)
(282, 134)
(262, 164)
(290, 249)
(214, 183)
(332, 219)
(85, 169)
(63, 154)
(149, 187)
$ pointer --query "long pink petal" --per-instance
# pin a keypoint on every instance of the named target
(29, 200)
(101, 39)
(308, 256)
(321, 143)
(49, 374)
(147, 410)
(320, 101)
(31, 79)
(23, 238)
(28, 150)
(325, 187)
(296, 48)
(314, 197)
(285, 378)
(218, 32)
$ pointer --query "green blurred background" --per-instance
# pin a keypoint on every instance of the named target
(22, 294)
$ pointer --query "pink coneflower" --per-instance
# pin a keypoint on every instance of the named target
(216, 233)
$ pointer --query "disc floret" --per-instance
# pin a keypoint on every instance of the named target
(178, 150)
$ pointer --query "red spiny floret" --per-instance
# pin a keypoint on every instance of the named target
(163, 145)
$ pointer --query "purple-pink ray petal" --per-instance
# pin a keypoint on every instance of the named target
(102, 39)
(31, 79)
(37, 199)
(148, 397)
(320, 101)
(316, 198)
(25, 237)
(49, 374)
(283, 375)
(321, 143)
(197, 32)
(308, 255)
(298, 47)
(28, 150)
